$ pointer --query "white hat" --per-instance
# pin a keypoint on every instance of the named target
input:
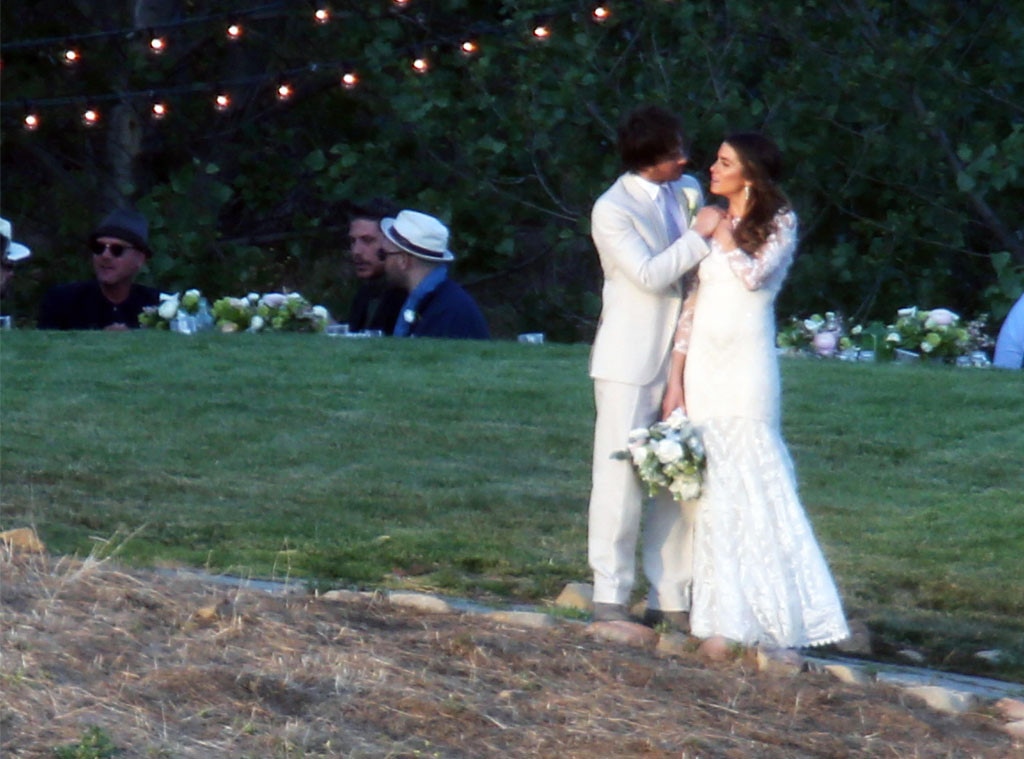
(418, 234)
(12, 251)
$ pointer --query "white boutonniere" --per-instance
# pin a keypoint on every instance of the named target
(692, 199)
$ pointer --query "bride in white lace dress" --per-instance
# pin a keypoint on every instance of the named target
(759, 574)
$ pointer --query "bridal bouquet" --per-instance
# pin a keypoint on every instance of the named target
(669, 454)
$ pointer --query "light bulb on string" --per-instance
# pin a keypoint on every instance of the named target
(284, 91)
(601, 13)
(469, 47)
(31, 121)
(157, 45)
(541, 31)
(350, 80)
(70, 57)
(235, 31)
(322, 15)
(90, 117)
(159, 110)
(222, 101)
(420, 64)
(400, 3)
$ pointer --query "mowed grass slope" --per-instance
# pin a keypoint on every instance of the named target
(464, 467)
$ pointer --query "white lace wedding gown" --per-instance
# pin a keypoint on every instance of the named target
(759, 574)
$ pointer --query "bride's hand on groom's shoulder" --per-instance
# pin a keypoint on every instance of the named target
(707, 220)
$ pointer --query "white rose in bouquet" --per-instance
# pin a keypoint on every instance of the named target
(169, 308)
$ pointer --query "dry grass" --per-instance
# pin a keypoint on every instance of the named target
(169, 666)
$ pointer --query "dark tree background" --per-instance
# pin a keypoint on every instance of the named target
(902, 123)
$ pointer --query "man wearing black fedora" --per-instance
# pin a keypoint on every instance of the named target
(416, 257)
(112, 300)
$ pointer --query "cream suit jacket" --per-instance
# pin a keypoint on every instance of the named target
(642, 293)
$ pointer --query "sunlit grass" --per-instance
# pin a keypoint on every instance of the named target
(464, 467)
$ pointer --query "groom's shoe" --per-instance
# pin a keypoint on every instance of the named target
(677, 621)
(611, 613)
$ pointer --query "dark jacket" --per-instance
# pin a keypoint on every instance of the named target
(376, 305)
(449, 311)
(81, 305)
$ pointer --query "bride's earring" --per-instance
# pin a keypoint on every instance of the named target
(746, 192)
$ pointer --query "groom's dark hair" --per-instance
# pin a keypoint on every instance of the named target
(648, 135)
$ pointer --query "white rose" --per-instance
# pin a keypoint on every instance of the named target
(256, 324)
(639, 455)
(193, 293)
(940, 317)
(320, 312)
(168, 309)
(892, 337)
(684, 490)
(273, 300)
(168, 296)
(668, 451)
(676, 419)
(253, 297)
(692, 198)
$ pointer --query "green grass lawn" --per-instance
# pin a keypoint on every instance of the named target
(464, 467)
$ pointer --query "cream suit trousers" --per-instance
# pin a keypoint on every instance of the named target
(619, 507)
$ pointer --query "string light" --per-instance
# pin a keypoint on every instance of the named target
(318, 12)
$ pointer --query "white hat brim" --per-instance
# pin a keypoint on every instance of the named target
(387, 227)
(17, 252)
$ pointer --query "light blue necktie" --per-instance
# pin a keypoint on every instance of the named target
(670, 211)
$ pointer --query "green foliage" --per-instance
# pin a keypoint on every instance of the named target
(94, 744)
(900, 123)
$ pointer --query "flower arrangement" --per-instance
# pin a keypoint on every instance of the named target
(270, 312)
(668, 454)
(936, 333)
(817, 333)
(289, 312)
(174, 306)
(235, 314)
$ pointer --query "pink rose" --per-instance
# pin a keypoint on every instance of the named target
(940, 317)
(825, 343)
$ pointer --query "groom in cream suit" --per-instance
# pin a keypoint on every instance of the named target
(648, 235)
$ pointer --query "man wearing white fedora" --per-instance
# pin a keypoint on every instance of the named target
(648, 234)
(13, 252)
(416, 257)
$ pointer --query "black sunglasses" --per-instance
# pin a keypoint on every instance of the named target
(116, 249)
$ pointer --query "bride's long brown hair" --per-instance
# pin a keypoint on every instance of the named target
(761, 160)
